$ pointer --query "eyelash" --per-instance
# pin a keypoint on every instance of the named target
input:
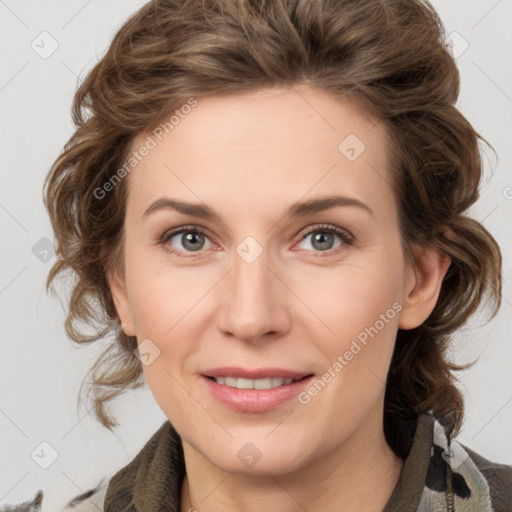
(346, 238)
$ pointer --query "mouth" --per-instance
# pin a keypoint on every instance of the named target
(254, 390)
(267, 383)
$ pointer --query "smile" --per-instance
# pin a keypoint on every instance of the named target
(255, 395)
(242, 383)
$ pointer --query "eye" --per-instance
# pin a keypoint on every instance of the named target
(323, 237)
(190, 238)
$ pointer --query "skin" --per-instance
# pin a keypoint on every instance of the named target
(297, 306)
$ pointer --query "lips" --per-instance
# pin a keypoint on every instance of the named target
(254, 390)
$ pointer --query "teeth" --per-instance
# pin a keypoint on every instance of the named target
(242, 383)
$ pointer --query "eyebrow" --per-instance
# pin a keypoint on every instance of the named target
(298, 209)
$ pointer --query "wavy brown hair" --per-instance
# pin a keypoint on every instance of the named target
(386, 55)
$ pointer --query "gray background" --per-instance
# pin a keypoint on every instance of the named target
(40, 369)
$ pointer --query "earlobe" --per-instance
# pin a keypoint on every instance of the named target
(423, 287)
(121, 302)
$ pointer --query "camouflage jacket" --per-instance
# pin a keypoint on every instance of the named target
(437, 475)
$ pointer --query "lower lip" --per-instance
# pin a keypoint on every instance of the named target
(255, 400)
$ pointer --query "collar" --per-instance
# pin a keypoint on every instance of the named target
(152, 481)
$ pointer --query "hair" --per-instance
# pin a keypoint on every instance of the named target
(389, 56)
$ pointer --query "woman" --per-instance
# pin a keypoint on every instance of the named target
(266, 213)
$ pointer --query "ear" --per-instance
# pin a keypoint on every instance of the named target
(423, 285)
(119, 294)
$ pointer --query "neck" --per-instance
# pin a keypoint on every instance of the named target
(359, 475)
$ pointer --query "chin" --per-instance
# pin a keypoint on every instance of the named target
(267, 461)
(256, 453)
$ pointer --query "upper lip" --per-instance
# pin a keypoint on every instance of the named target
(255, 373)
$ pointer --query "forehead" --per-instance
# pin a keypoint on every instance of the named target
(276, 140)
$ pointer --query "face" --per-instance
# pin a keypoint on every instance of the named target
(263, 289)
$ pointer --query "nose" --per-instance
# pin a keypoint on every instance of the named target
(254, 300)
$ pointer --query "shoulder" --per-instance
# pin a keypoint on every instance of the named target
(165, 443)
(498, 478)
(89, 501)
(472, 481)
(458, 478)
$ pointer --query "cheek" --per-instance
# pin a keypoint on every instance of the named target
(166, 313)
(356, 315)
(169, 308)
(162, 294)
(356, 348)
(352, 297)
